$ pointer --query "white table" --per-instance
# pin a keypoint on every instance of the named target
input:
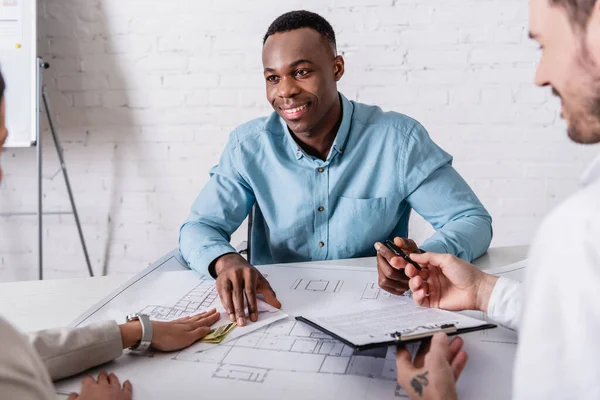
(34, 305)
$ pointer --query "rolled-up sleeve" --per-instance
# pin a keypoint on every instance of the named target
(217, 212)
(444, 199)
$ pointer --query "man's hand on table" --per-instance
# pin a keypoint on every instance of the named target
(390, 267)
(238, 283)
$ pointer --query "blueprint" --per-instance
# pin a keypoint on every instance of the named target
(285, 358)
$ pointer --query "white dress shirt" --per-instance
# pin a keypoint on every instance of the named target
(559, 331)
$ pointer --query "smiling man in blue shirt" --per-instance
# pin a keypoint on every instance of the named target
(329, 178)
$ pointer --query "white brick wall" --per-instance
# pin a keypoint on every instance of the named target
(145, 93)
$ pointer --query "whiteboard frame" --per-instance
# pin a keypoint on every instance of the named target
(35, 91)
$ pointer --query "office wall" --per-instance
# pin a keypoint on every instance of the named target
(145, 93)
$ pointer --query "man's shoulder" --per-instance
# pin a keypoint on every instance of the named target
(582, 207)
(569, 233)
(367, 114)
(256, 129)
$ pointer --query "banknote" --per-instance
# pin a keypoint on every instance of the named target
(217, 335)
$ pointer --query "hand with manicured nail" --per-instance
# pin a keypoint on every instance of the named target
(238, 284)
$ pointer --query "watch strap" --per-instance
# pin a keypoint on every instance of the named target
(146, 341)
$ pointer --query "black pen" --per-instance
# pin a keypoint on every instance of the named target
(398, 251)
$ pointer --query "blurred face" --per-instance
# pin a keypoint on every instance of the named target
(570, 64)
(301, 74)
(3, 130)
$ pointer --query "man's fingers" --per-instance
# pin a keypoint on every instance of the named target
(459, 363)
(392, 287)
(113, 380)
(403, 358)
(225, 290)
(389, 256)
(437, 260)
(420, 298)
(390, 271)
(238, 301)
(436, 346)
(415, 283)
(383, 251)
(251, 281)
(439, 344)
(103, 377)
(454, 348)
(400, 242)
(411, 271)
(404, 367)
(73, 396)
(425, 288)
(268, 293)
(128, 388)
(408, 245)
(424, 348)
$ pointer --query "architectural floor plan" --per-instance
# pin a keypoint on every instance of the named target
(280, 359)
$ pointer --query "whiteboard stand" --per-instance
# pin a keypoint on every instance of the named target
(43, 95)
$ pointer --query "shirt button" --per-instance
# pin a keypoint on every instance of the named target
(321, 208)
(321, 244)
(320, 169)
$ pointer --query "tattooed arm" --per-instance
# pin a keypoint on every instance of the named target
(434, 372)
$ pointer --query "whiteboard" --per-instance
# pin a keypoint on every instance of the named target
(18, 61)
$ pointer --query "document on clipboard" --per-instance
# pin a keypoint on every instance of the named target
(366, 325)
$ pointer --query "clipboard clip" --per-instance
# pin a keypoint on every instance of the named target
(400, 337)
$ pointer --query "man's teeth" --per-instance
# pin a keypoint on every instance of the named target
(295, 110)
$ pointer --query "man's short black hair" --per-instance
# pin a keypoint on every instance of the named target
(293, 20)
(2, 86)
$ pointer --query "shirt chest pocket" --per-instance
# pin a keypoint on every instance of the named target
(349, 204)
(358, 223)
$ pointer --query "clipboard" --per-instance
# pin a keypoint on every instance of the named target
(398, 338)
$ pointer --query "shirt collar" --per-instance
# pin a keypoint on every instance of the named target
(341, 138)
(592, 173)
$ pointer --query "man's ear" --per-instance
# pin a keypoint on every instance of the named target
(338, 68)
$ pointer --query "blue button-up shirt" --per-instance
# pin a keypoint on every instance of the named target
(380, 167)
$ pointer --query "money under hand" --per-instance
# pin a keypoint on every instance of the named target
(217, 335)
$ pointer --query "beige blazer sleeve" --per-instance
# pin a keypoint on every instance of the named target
(22, 373)
(69, 351)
